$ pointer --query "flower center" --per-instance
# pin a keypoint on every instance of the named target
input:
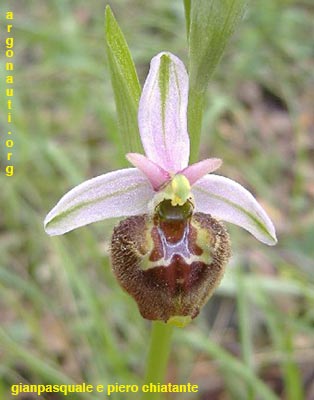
(178, 190)
(175, 200)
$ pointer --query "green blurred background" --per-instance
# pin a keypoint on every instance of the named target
(63, 317)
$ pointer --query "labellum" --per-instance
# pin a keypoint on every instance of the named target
(170, 262)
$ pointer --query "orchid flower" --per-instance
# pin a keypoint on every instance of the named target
(162, 184)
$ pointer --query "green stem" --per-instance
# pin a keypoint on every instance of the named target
(158, 355)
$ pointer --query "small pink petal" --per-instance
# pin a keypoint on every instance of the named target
(162, 114)
(154, 173)
(226, 199)
(119, 193)
(196, 171)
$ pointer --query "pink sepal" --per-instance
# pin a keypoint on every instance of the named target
(163, 122)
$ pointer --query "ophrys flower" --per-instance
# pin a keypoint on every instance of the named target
(171, 251)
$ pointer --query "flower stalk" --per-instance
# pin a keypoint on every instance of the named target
(158, 355)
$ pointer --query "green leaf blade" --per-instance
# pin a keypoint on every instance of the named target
(212, 23)
(125, 83)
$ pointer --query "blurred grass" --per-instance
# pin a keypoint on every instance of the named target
(63, 316)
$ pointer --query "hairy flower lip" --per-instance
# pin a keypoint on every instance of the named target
(162, 120)
(170, 273)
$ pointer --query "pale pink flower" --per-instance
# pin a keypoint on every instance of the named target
(164, 172)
